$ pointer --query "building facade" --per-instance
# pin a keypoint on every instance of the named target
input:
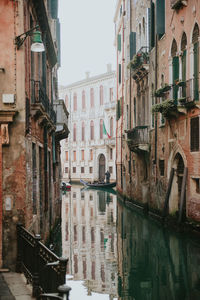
(158, 119)
(31, 123)
(90, 149)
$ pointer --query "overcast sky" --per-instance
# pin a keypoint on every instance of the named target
(87, 38)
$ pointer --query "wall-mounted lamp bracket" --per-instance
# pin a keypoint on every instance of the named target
(19, 40)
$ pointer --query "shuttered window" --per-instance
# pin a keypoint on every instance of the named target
(175, 63)
(194, 134)
(196, 71)
(160, 17)
(119, 47)
(132, 44)
(120, 73)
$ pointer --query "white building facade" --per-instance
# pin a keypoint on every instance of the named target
(89, 150)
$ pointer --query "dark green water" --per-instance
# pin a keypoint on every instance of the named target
(118, 253)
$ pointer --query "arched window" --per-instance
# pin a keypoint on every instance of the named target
(111, 126)
(83, 131)
(66, 101)
(91, 97)
(75, 101)
(143, 26)
(74, 133)
(92, 130)
(101, 95)
(101, 129)
(83, 100)
(195, 38)
(175, 69)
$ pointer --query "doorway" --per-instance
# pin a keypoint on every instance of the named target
(102, 167)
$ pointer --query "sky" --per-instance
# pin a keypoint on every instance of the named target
(87, 38)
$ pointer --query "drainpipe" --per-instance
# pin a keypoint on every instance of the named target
(70, 139)
(156, 84)
(122, 80)
(130, 83)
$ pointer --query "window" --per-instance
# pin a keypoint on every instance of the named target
(119, 74)
(91, 197)
(111, 170)
(175, 70)
(91, 154)
(82, 170)
(119, 42)
(82, 195)
(83, 234)
(74, 155)
(162, 167)
(160, 17)
(66, 101)
(74, 195)
(91, 97)
(111, 94)
(74, 133)
(194, 134)
(83, 100)
(66, 169)
(75, 233)
(101, 129)
(195, 41)
(74, 170)
(111, 126)
(92, 235)
(90, 170)
(82, 155)
(83, 132)
(101, 95)
(75, 102)
(197, 185)
(66, 156)
(111, 153)
(92, 130)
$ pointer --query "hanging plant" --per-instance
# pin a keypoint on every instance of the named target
(167, 108)
(161, 91)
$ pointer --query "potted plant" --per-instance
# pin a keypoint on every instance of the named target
(167, 108)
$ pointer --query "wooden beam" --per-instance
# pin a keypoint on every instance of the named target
(183, 190)
(166, 204)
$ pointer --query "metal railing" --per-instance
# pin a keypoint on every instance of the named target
(42, 268)
(38, 95)
(188, 90)
(138, 135)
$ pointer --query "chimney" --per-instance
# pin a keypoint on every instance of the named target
(109, 68)
(87, 74)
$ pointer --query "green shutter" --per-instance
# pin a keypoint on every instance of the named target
(184, 72)
(196, 71)
(132, 41)
(152, 26)
(175, 63)
(119, 42)
(160, 17)
(120, 71)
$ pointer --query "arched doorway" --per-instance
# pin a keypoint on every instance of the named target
(102, 167)
(175, 197)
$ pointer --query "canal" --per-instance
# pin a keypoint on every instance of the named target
(118, 253)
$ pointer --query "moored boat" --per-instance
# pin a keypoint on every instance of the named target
(98, 184)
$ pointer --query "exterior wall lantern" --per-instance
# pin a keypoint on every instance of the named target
(37, 44)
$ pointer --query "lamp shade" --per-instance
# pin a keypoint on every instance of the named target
(37, 44)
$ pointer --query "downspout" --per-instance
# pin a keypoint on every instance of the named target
(130, 83)
(156, 84)
(69, 140)
(122, 80)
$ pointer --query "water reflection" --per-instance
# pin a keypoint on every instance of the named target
(116, 253)
(89, 240)
(154, 263)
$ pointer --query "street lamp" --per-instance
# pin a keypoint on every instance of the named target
(37, 44)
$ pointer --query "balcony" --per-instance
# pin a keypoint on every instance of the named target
(138, 139)
(62, 114)
(110, 142)
(41, 108)
(186, 93)
(139, 65)
(109, 105)
(176, 4)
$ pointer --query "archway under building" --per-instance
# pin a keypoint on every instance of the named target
(102, 167)
(175, 195)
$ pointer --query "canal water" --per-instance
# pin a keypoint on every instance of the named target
(118, 253)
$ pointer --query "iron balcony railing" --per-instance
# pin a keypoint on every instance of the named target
(186, 91)
(138, 135)
(38, 95)
(44, 269)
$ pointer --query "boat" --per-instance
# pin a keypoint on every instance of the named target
(98, 184)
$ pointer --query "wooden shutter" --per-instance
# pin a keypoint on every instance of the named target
(194, 134)
(175, 63)
(120, 71)
(132, 41)
(160, 17)
(152, 25)
(119, 42)
(196, 71)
